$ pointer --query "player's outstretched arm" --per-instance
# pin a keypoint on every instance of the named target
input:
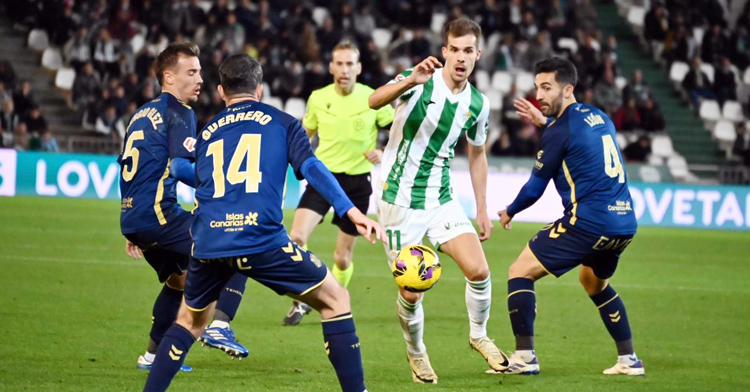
(528, 111)
(478, 171)
(366, 226)
(529, 194)
(420, 74)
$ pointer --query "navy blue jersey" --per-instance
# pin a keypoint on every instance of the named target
(159, 131)
(241, 163)
(579, 152)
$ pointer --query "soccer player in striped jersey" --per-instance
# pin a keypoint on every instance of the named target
(437, 106)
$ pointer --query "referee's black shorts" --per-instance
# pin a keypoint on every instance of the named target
(357, 187)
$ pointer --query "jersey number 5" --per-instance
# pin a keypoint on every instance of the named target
(612, 162)
(247, 148)
(131, 152)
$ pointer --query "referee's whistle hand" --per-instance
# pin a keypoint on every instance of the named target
(374, 156)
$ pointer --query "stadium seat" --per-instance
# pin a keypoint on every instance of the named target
(295, 107)
(568, 44)
(678, 167)
(137, 43)
(732, 111)
(698, 33)
(725, 132)
(482, 79)
(382, 38)
(501, 81)
(637, 17)
(708, 69)
(266, 91)
(746, 76)
(678, 71)
(655, 160)
(319, 15)
(709, 110)
(273, 101)
(206, 5)
(65, 78)
(621, 82)
(438, 20)
(661, 145)
(38, 40)
(52, 59)
(496, 99)
(524, 81)
(622, 142)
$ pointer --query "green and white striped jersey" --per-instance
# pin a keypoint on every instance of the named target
(429, 121)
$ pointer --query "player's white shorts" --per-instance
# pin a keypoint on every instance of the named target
(407, 226)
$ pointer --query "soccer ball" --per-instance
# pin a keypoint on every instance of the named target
(417, 268)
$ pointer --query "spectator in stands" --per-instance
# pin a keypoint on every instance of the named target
(21, 137)
(105, 123)
(6, 138)
(365, 21)
(147, 93)
(118, 100)
(725, 81)
(504, 54)
(637, 89)
(48, 142)
(697, 84)
(651, 117)
(233, 33)
(5, 94)
(606, 95)
(23, 99)
(77, 50)
(502, 146)
(528, 28)
(656, 27)
(291, 82)
(86, 86)
(316, 76)
(419, 47)
(525, 144)
(627, 117)
(715, 45)
(679, 46)
(539, 49)
(328, 37)
(7, 75)
(741, 148)
(64, 26)
(639, 150)
(35, 121)
(740, 44)
(106, 54)
(585, 16)
(121, 125)
(9, 118)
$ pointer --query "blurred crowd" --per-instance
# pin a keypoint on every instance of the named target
(111, 45)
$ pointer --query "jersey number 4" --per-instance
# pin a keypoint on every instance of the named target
(248, 149)
(612, 162)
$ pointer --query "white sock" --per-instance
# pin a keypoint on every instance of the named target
(627, 359)
(411, 318)
(525, 355)
(219, 324)
(149, 357)
(478, 300)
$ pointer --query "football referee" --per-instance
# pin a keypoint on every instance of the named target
(347, 131)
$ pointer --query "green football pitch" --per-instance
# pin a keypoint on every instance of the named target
(75, 313)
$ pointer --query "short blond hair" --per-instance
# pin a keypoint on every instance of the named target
(346, 45)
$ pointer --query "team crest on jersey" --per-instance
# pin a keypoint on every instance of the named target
(189, 144)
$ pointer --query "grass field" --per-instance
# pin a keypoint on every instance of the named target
(75, 314)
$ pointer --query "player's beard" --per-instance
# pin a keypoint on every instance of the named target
(554, 106)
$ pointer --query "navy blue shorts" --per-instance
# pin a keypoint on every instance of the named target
(166, 248)
(286, 270)
(560, 247)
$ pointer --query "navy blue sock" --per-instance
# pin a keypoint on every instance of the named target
(522, 309)
(342, 347)
(165, 312)
(169, 357)
(612, 311)
(231, 296)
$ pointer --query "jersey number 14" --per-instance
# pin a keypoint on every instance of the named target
(248, 149)
(612, 162)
